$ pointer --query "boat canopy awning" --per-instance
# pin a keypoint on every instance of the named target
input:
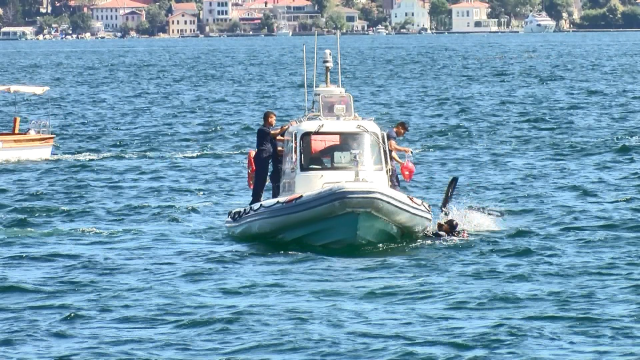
(37, 90)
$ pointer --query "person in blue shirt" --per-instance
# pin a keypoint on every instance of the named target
(399, 130)
(266, 145)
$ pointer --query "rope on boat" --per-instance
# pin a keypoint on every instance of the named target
(239, 214)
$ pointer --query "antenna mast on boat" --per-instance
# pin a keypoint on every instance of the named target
(328, 65)
(315, 69)
(339, 72)
(304, 60)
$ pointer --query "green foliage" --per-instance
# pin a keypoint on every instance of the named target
(268, 23)
(631, 17)
(593, 19)
(349, 3)
(80, 22)
(143, 28)
(317, 23)
(336, 21)
(556, 8)
(304, 25)
(46, 22)
(62, 20)
(373, 14)
(406, 24)
(12, 13)
(234, 26)
(164, 5)
(614, 11)
(156, 18)
(322, 5)
(125, 29)
(439, 8)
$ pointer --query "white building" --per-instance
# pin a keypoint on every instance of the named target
(471, 16)
(133, 17)
(351, 17)
(215, 11)
(188, 8)
(418, 10)
(182, 24)
(111, 13)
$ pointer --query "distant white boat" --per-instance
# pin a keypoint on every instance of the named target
(539, 23)
(380, 30)
(283, 27)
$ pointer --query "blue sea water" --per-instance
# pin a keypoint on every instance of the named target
(116, 247)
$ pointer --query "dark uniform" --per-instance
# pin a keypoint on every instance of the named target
(393, 177)
(276, 173)
(265, 144)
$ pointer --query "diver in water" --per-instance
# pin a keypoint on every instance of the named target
(447, 229)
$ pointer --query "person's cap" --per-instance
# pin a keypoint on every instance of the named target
(403, 125)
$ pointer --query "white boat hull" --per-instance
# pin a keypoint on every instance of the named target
(540, 29)
(26, 153)
(283, 33)
(341, 215)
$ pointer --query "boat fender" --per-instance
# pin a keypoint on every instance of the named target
(292, 198)
(251, 169)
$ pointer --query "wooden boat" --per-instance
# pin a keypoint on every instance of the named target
(34, 144)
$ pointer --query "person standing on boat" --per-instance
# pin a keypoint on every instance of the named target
(265, 145)
(399, 130)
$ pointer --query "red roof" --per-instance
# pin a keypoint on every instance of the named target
(185, 6)
(121, 4)
(181, 12)
(470, 4)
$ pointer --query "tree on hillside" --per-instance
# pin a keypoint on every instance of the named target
(267, 22)
(81, 22)
(46, 22)
(614, 10)
(556, 8)
(143, 28)
(349, 3)
(125, 30)
(438, 9)
(322, 5)
(12, 13)
(164, 5)
(155, 17)
(62, 20)
(336, 21)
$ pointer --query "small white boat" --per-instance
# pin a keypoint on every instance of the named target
(335, 188)
(282, 29)
(380, 30)
(539, 23)
(34, 144)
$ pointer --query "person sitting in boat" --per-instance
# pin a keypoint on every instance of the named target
(265, 143)
(399, 130)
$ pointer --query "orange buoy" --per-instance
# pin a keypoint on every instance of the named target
(251, 169)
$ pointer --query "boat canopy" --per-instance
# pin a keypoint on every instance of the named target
(37, 90)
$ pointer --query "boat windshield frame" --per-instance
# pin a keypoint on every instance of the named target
(343, 155)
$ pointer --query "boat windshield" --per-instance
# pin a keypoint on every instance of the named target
(339, 151)
(336, 105)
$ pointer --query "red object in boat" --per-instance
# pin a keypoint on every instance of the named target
(251, 169)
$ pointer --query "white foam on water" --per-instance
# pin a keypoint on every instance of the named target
(472, 221)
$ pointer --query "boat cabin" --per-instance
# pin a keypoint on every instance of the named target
(333, 146)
